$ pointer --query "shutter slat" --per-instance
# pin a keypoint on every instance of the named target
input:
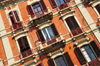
(79, 56)
(95, 48)
(53, 4)
(30, 11)
(20, 44)
(43, 5)
(68, 59)
(40, 35)
(50, 62)
(16, 15)
(54, 29)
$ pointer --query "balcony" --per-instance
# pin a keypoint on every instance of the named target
(94, 63)
(76, 31)
(17, 25)
(63, 5)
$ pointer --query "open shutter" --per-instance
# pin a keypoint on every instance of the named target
(16, 15)
(40, 35)
(20, 44)
(12, 18)
(53, 4)
(43, 5)
(30, 11)
(54, 29)
(95, 48)
(68, 59)
(50, 62)
(67, 0)
(79, 56)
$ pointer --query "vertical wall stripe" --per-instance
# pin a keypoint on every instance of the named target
(6, 43)
(88, 18)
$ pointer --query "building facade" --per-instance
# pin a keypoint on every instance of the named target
(49, 32)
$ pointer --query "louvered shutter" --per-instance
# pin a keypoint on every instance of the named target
(79, 56)
(98, 8)
(12, 18)
(53, 4)
(50, 62)
(25, 42)
(68, 59)
(40, 35)
(67, 0)
(95, 48)
(16, 15)
(54, 29)
(43, 5)
(20, 44)
(30, 11)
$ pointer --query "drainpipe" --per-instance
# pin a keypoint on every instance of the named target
(36, 47)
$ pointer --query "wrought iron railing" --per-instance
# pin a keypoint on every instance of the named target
(63, 5)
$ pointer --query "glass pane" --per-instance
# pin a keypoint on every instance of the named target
(63, 63)
(50, 32)
(91, 54)
(45, 34)
(87, 47)
(82, 49)
(58, 2)
(62, 1)
(35, 10)
(39, 8)
(58, 64)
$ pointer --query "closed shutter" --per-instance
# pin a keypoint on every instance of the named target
(40, 35)
(79, 56)
(43, 5)
(95, 48)
(16, 15)
(30, 11)
(53, 4)
(11, 15)
(54, 29)
(98, 8)
(68, 59)
(50, 62)
(67, 0)
(20, 44)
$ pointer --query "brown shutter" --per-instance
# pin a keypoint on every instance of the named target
(12, 17)
(50, 62)
(53, 4)
(79, 56)
(67, 0)
(30, 11)
(68, 59)
(40, 35)
(20, 44)
(95, 48)
(54, 29)
(16, 15)
(43, 5)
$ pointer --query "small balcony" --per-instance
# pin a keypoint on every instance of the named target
(95, 62)
(76, 31)
(17, 25)
(63, 5)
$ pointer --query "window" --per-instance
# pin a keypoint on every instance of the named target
(98, 8)
(63, 60)
(15, 19)
(37, 9)
(24, 46)
(60, 61)
(60, 3)
(74, 27)
(87, 53)
(49, 34)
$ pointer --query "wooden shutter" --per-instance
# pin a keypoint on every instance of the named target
(95, 48)
(25, 42)
(68, 59)
(39, 64)
(54, 29)
(98, 8)
(79, 56)
(53, 4)
(12, 18)
(43, 5)
(50, 62)
(20, 44)
(30, 11)
(67, 0)
(40, 35)
(16, 15)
